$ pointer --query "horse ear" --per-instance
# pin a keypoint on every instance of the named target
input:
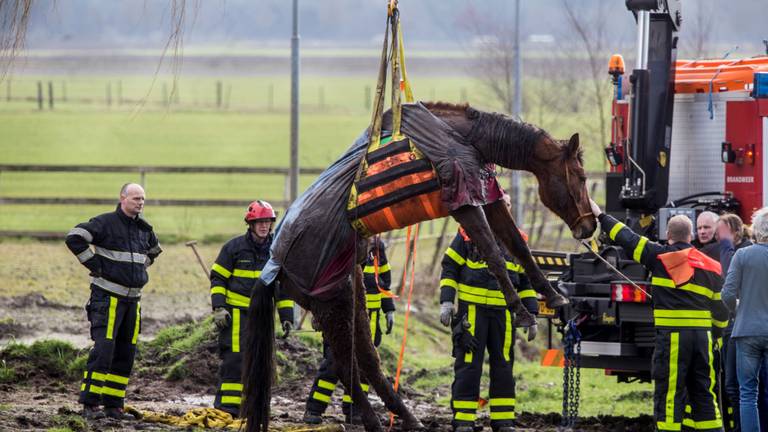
(573, 145)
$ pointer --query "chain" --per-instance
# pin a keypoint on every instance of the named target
(571, 375)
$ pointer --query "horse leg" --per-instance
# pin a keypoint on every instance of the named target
(504, 227)
(370, 363)
(335, 319)
(472, 219)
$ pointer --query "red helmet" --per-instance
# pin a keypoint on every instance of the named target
(260, 210)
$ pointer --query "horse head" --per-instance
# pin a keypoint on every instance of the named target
(559, 169)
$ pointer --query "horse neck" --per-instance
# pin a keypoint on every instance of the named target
(505, 142)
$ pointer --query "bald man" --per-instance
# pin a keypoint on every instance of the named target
(706, 225)
(116, 248)
(686, 308)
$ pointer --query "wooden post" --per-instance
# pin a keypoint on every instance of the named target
(142, 178)
(439, 247)
(40, 95)
(219, 94)
(50, 95)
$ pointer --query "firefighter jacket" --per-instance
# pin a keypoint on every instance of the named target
(685, 283)
(235, 272)
(374, 299)
(123, 248)
(464, 272)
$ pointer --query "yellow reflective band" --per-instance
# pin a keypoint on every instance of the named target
(326, 385)
(231, 387)
(504, 415)
(471, 329)
(112, 316)
(465, 416)
(373, 304)
(218, 290)
(373, 322)
(82, 387)
(285, 304)
(346, 398)
(321, 397)
(449, 283)
(112, 392)
(481, 300)
(716, 296)
(238, 300)
(502, 402)
(235, 330)
(638, 253)
(507, 342)
(674, 322)
(527, 293)
(221, 270)
(455, 256)
(459, 404)
(138, 324)
(683, 313)
(372, 270)
(94, 389)
(365, 387)
(706, 424)
(689, 422)
(717, 422)
(373, 297)
(663, 282)
(117, 379)
(231, 400)
(98, 376)
(475, 265)
(674, 347)
(384, 268)
(719, 324)
(615, 230)
(688, 409)
(250, 274)
(517, 268)
(484, 292)
(85, 374)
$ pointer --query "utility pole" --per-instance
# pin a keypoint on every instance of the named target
(294, 171)
(517, 211)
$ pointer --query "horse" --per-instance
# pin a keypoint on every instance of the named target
(316, 253)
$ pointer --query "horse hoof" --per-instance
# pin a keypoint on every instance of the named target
(556, 301)
(524, 319)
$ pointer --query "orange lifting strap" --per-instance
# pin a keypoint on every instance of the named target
(695, 76)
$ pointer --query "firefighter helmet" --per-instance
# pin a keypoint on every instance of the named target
(260, 210)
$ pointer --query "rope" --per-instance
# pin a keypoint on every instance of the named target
(212, 418)
(407, 314)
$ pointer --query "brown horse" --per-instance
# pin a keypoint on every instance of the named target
(309, 226)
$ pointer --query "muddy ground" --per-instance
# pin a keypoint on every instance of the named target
(42, 403)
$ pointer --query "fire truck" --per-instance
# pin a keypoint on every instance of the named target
(689, 136)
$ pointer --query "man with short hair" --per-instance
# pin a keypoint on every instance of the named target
(124, 246)
(706, 240)
(233, 276)
(686, 303)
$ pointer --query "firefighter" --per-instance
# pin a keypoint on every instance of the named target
(482, 320)
(686, 308)
(124, 246)
(233, 276)
(376, 278)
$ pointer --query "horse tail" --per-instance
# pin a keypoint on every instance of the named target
(258, 359)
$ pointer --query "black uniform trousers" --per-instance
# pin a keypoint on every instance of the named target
(231, 339)
(115, 326)
(684, 372)
(493, 329)
(322, 388)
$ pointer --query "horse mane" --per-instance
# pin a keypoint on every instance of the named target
(503, 138)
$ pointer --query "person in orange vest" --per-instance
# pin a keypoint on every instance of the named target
(686, 286)
(481, 321)
(233, 275)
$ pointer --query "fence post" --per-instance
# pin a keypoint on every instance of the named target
(219, 91)
(109, 94)
(271, 97)
(143, 177)
(50, 95)
(40, 95)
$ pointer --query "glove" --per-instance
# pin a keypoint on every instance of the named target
(222, 318)
(462, 338)
(595, 208)
(446, 313)
(390, 321)
(287, 327)
(532, 332)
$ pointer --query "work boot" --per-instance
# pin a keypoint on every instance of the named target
(92, 412)
(312, 418)
(117, 414)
